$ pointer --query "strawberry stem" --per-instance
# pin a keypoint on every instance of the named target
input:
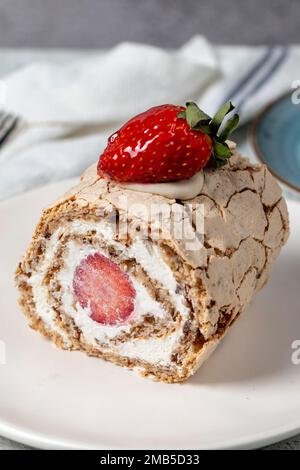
(198, 120)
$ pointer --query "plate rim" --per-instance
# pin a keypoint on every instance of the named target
(41, 441)
(254, 140)
(27, 436)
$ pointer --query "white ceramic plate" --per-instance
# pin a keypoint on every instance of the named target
(245, 396)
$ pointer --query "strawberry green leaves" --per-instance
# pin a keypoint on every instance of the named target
(220, 153)
(200, 121)
(195, 116)
(219, 116)
(229, 127)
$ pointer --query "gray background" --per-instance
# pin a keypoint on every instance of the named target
(169, 23)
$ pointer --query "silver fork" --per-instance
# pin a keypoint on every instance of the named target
(8, 122)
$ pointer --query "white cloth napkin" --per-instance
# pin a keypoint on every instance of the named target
(68, 111)
(111, 87)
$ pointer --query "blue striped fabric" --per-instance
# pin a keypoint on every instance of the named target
(257, 76)
(251, 73)
(265, 78)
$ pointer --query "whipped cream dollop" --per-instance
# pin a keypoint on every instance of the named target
(183, 190)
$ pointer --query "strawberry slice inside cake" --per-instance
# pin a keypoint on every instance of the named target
(102, 286)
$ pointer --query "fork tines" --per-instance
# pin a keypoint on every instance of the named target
(8, 122)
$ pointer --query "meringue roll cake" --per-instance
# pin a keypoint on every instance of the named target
(150, 275)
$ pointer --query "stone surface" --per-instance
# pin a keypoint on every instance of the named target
(169, 23)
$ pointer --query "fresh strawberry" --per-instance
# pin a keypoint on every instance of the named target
(166, 143)
(101, 284)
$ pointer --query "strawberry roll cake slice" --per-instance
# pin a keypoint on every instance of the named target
(154, 254)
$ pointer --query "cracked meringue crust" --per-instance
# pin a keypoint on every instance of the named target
(190, 297)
